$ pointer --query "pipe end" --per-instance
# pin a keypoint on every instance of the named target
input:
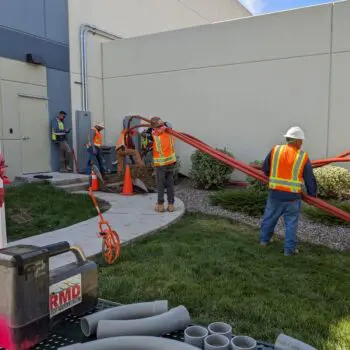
(85, 327)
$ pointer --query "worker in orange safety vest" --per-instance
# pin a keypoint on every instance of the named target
(164, 161)
(287, 167)
(125, 147)
(94, 147)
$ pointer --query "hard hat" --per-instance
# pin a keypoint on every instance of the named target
(296, 133)
(100, 124)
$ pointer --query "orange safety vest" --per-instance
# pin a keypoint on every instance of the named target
(121, 139)
(163, 150)
(287, 166)
(97, 138)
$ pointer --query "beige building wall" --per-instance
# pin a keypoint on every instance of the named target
(240, 84)
(18, 80)
(130, 18)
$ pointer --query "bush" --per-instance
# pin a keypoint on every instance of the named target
(256, 185)
(318, 215)
(207, 172)
(244, 200)
(333, 182)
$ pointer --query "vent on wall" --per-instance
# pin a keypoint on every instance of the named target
(34, 59)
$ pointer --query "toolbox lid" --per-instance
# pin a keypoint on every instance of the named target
(20, 255)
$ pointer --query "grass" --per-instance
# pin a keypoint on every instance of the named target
(32, 209)
(218, 271)
(253, 203)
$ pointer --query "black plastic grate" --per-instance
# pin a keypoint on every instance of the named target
(69, 332)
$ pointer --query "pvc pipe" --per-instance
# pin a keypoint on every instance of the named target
(174, 320)
(284, 342)
(216, 342)
(241, 342)
(195, 335)
(89, 323)
(220, 328)
(131, 343)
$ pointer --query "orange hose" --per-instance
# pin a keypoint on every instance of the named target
(257, 174)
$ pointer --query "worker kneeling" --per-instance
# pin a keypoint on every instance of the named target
(126, 147)
(164, 160)
(286, 166)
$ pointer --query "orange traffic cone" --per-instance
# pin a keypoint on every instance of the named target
(128, 189)
(94, 181)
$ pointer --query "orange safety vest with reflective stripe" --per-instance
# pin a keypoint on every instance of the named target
(97, 141)
(121, 139)
(163, 149)
(286, 170)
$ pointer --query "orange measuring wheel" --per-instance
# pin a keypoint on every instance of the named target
(110, 237)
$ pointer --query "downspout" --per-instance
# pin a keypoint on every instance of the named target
(84, 30)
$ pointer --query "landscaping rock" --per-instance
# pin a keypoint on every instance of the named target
(335, 237)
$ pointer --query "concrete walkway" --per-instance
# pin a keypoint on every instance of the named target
(132, 217)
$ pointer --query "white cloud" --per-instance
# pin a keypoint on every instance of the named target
(254, 6)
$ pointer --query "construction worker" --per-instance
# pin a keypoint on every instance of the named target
(126, 147)
(94, 147)
(164, 160)
(287, 166)
(59, 137)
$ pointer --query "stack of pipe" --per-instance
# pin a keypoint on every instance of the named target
(146, 319)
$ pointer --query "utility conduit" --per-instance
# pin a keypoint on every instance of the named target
(131, 343)
(124, 312)
(256, 173)
(174, 320)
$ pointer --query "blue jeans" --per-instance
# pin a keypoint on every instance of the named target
(290, 211)
(98, 157)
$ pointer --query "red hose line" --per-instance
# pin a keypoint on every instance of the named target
(255, 173)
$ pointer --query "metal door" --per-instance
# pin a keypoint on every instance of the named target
(35, 134)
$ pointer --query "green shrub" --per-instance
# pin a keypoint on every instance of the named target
(243, 200)
(208, 172)
(333, 182)
(256, 185)
(318, 215)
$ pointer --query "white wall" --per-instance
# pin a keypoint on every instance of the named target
(241, 83)
(16, 78)
(129, 18)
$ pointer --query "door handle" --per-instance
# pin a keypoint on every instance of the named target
(26, 138)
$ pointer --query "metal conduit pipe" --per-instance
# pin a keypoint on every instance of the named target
(131, 343)
(84, 30)
(174, 320)
(89, 323)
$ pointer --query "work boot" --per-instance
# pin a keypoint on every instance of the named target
(159, 208)
(171, 208)
(296, 252)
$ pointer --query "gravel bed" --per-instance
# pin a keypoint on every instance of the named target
(335, 237)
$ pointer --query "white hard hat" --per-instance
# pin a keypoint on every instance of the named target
(100, 124)
(296, 133)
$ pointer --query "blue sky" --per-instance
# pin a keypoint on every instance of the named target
(265, 6)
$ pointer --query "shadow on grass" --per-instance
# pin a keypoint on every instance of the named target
(218, 271)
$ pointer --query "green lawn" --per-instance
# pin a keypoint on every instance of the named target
(218, 271)
(37, 208)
